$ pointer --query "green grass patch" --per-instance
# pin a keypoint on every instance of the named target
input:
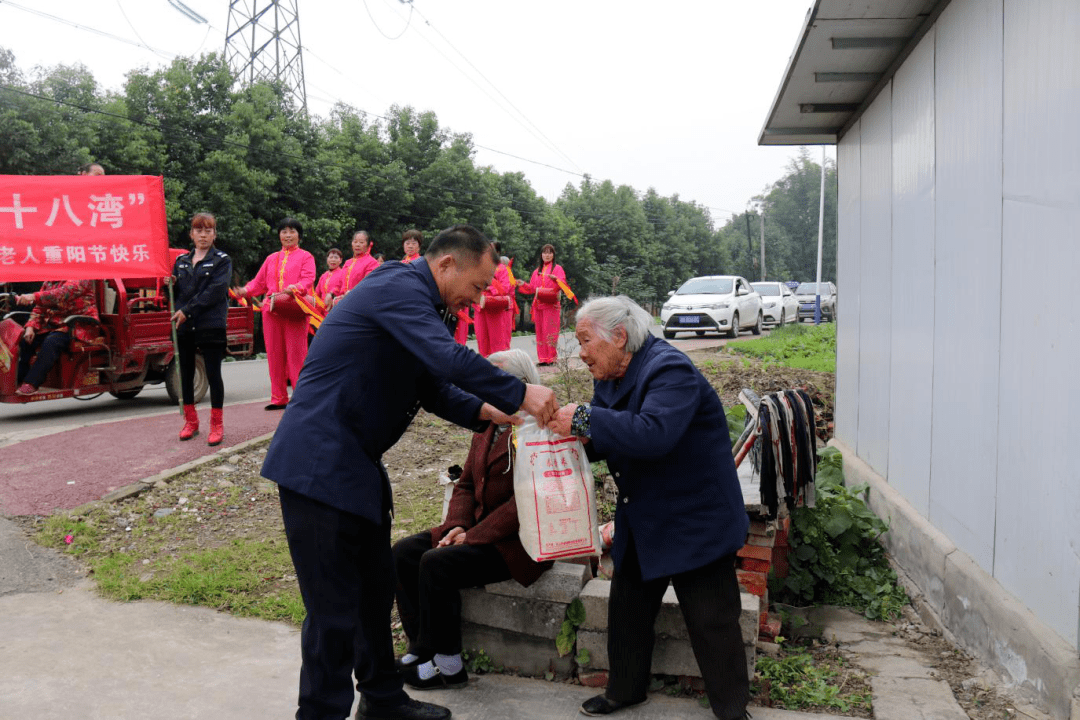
(797, 681)
(246, 578)
(807, 347)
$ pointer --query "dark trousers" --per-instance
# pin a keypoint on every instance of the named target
(346, 576)
(710, 604)
(429, 581)
(213, 353)
(48, 346)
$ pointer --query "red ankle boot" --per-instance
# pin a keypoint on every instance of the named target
(191, 423)
(217, 429)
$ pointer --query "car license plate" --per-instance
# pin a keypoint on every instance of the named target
(808, 306)
(688, 320)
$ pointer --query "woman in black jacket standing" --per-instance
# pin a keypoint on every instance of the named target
(202, 306)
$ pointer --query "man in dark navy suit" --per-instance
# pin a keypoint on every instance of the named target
(384, 352)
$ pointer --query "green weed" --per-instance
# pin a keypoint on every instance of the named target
(836, 556)
(796, 682)
(807, 347)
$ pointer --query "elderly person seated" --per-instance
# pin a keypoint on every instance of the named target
(477, 544)
(679, 517)
(45, 332)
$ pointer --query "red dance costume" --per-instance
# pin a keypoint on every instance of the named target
(326, 282)
(545, 308)
(495, 321)
(285, 335)
(352, 272)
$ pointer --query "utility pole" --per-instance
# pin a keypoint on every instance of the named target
(820, 236)
(763, 242)
(262, 42)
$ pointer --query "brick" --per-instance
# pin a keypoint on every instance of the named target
(757, 553)
(593, 678)
(755, 583)
(748, 617)
(770, 630)
(760, 527)
(594, 597)
(751, 565)
(780, 564)
(759, 541)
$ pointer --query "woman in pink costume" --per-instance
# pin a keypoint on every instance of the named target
(545, 304)
(329, 278)
(285, 325)
(356, 268)
(494, 318)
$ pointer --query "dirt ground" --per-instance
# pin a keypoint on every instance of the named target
(231, 501)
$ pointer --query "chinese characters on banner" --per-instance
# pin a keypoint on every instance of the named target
(62, 227)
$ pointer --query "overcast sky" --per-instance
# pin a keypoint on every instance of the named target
(669, 95)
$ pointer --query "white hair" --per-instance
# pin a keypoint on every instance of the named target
(517, 363)
(607, 314)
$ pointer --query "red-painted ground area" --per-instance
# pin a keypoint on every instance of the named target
(66, 469)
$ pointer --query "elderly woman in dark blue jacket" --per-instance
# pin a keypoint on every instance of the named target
(680, 516)
(202, 307)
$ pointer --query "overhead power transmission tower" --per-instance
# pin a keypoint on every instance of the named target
(262, 42)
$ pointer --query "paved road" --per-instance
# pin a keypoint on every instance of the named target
(245, 382)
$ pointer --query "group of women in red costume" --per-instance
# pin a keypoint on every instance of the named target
(290, 272)
(494, 317)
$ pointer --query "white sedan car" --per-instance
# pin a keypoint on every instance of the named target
(714, 303)
(807, 294)
(778, 303)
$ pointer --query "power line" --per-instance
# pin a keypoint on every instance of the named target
(130, 25)
(210, 26)
(376, 24)
(87, 28)
(539, 133)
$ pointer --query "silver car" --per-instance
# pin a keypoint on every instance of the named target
(806, 293)
(778, 302)
(713, 303)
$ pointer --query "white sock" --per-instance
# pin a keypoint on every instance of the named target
(449, 664)
(425, 670)
(409, 658)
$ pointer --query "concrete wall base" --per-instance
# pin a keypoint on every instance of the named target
(516, 626)
(978, 613)
(672, 653)
(514, 651)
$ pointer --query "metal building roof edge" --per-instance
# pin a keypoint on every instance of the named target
(800, 136)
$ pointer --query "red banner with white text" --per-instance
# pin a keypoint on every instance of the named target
(72, 227)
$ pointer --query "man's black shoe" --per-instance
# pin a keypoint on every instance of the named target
(438, 681)
(603, 705)
(408, 710)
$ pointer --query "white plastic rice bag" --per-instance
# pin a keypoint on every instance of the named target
(553, 487)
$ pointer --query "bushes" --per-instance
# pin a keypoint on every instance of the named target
(836, 557)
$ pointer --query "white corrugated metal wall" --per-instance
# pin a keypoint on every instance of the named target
(848, 293)
(959, 205)
(913, 303)
(1037, 550)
